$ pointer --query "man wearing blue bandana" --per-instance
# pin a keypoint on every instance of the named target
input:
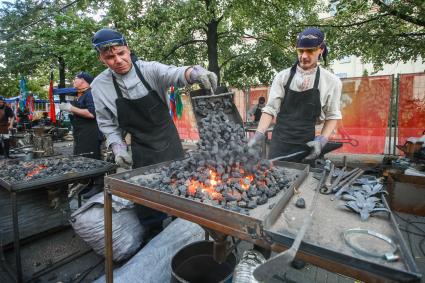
(131, 95)
(301, 97)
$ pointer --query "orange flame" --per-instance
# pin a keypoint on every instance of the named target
(36, 170)
(209, 189)
(243, 184)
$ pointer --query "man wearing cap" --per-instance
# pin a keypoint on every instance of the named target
(300, 97)
(87, 138)
(131, 95)
(6, 124)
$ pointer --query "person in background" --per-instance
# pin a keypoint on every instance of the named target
(87, 137)
(6, 125)
(300, 97)
(256, 110)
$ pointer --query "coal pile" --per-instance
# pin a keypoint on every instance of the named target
(224, 171)
(46, 168)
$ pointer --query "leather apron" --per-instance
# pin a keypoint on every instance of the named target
(154, 137)
(296, 120)
(86, 135)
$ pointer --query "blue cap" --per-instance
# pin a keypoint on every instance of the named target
(312, 38)
(85, 76)
(106, 37)
(1, 98)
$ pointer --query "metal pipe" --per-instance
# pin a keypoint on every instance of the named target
(17, 247)
(108, 235)
(59, 263)
(213, 95)
(281, 262)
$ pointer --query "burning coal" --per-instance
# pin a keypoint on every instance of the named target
(47, 167)
(223, 171)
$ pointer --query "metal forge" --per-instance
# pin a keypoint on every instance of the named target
(228, 189)
(217, 219)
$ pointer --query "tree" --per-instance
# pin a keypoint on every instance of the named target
(36, 37)
(378, 31)
(242, 41)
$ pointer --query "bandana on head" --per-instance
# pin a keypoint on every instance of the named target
(312, 38)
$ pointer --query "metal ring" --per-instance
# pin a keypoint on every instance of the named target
(360, 250)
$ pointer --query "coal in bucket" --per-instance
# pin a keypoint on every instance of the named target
(194, 263)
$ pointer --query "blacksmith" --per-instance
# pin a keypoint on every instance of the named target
(300, 97)
(131, 95)
(87, 138)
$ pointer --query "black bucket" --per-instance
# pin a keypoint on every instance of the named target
(194, 263)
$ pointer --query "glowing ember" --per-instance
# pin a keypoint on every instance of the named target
(209, 186)
(36, 170)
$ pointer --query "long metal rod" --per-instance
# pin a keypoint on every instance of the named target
(280, 262)
(396, 112)
(108, 235)
(213, 95)
(17, 246)
(390, 116)
(59, 263)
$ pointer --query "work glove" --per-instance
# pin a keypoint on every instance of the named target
(257, 140)
(122, 157)
(65, 106)
(207, 79)
(316, 146)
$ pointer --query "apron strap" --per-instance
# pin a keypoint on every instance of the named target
(139, 74)
(316, 80)
(117, 87)
(291, 76)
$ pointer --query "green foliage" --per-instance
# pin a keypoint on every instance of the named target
(378, 32)
(244, 41)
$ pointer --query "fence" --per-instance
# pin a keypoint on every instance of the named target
(378, 112)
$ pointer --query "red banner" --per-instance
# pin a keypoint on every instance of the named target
(52, 112)
(365, 104)
(411, 106)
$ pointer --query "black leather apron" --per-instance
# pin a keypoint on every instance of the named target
(86, 135)
(154, 137)
(295, 123)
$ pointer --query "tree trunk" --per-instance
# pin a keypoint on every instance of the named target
(61, 77)
(212, 43)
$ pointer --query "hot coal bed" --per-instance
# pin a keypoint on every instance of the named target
(16, 175)
(224, 171)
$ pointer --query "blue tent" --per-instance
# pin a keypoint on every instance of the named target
(67, 90)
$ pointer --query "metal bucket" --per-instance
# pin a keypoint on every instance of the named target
(194, 263)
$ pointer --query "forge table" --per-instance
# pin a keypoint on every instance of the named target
(274, 225)
(58, 181)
